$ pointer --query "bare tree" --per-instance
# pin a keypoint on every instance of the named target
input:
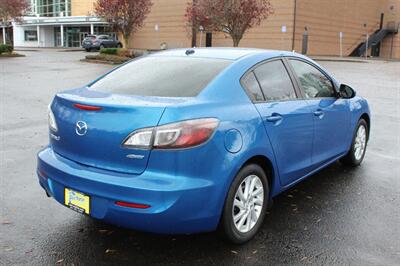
(233, 17)
(126, 16)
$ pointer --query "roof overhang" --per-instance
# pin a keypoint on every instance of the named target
(6, 24)
(54, 21)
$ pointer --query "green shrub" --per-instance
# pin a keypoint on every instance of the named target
(113, 51)
(114, 59)
(125, 52)
(6, 48)
(117, 51)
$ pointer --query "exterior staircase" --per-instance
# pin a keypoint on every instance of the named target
(375, 39)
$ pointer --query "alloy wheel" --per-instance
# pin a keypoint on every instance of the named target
(248, 203)
(360, 142)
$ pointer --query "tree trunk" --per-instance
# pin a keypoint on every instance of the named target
(194, 36)
(236, 41)
(127, 40)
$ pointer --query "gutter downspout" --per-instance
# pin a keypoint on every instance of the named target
(294, 23)
(194, 30)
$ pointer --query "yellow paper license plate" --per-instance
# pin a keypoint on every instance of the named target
(77, 201)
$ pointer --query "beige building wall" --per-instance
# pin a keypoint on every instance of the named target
(82, 7)
(166, 23)
(269, 34)
(172, 29)
(391, 44)
(325, 19)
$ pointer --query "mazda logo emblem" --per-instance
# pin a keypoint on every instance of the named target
(81, 128)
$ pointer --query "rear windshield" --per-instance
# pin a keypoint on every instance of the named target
(162, 76)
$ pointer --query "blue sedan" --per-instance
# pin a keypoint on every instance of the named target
(187, 141)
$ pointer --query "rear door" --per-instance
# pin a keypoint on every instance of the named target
(109, 41)
(331, 114)
(287, 119)
(104, 41)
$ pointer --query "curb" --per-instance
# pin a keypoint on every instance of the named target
(95, 61)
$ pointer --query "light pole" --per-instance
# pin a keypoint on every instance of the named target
(366, 41)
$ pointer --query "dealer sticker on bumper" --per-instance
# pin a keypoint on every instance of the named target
(77, 201)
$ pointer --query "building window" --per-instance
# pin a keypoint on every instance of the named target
(31, 36)
(53, 8)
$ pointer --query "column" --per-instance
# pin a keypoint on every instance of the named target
(62, 35)
(4, 35)
(38, 35)
(66, 8)
(91, 29)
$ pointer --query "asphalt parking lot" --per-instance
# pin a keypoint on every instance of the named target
(338, 216)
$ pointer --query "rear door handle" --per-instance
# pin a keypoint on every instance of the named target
(274, 118)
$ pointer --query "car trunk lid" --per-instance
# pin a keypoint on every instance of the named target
(92, 126)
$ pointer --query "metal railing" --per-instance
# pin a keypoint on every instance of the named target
(362, 37)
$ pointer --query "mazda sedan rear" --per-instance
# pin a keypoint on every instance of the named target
(188, 141)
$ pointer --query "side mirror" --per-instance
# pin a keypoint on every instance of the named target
(346, 92)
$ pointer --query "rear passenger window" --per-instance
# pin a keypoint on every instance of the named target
(275, 81)
(250, 83)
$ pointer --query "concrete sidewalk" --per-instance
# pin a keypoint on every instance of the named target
(352, 59)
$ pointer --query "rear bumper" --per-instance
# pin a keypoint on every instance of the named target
(179, 204)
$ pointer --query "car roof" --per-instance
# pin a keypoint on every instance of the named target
(227, 53)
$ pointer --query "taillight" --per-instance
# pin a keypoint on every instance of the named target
(140, 139)
(184, 134)
(51, 120)
(87, 107)
(179, 135)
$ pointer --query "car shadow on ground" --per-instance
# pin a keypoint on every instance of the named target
(298, 217)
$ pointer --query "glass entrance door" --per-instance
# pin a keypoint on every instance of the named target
(57, 39)
(75, 35)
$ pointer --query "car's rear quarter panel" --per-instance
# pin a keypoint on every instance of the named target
(226, 100)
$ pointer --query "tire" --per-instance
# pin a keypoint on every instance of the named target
(88, 50)
(102, 46)
(119, 45)
(355, 156)
(228, 227)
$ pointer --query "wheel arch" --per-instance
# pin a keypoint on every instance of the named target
(367, 119)
(266, 164)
